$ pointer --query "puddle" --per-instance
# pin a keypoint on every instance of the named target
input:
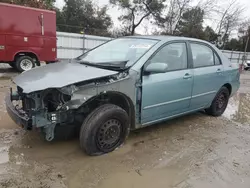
(143, 179)
(238, 109)
(4, 155)
(4, 78)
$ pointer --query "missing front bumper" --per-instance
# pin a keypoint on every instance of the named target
(20, 119)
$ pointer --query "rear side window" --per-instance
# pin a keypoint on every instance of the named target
(203, 56)
(216, 59)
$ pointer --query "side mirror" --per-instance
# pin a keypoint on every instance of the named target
(156, 68)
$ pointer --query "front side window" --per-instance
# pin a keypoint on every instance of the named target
(127, 50)
(203, 56)
(174, 55)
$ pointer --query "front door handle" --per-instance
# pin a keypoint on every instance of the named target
(187, 76)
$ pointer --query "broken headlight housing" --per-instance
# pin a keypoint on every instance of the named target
(55, 99)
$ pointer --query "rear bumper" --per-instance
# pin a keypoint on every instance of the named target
(16, 116)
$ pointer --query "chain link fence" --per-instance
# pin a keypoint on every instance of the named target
(236, 56)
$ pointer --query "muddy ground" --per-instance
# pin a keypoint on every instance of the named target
(190, 152)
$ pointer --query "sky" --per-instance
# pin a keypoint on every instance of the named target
(114, 13)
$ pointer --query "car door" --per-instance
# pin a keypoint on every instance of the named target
(167, 94)
(208, 74)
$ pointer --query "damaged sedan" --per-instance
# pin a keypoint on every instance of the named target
(122, 85)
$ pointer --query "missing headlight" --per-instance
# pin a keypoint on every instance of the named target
(55, 99)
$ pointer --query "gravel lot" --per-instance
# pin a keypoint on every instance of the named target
(195, 151)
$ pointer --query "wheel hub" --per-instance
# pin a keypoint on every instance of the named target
(108, 134)
(26, 64)
(221, 101)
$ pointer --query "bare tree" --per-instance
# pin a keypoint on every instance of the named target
(230, 18)
(172, 15)
(174, 10)
(208, 6)
(137, 11)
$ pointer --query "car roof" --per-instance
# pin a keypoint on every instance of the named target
(165, 38)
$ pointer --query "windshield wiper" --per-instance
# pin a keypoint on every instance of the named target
(115, 65)
(121, 64)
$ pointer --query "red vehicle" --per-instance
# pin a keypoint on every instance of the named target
(27, 36)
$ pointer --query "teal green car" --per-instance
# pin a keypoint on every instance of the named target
(122, 85)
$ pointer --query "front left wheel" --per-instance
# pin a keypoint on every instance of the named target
(103, 130)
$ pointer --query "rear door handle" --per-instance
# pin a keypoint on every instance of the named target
(187, 76)
(219, 71)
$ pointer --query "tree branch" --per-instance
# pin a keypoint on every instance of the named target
(146, 15)
(133, 16)
(224, 15)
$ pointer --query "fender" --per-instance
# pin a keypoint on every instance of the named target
(24, 52)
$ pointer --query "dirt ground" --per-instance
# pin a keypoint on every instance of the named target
(190, 152)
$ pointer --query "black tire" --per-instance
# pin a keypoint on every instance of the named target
(219, 103)
(13, 65)
(246, 69)
(20, 60)
(103, 130)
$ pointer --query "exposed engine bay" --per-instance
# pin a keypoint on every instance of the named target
(54, 100)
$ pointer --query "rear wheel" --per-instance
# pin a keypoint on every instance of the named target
(24, 63)
(219, 103)
(105, 129)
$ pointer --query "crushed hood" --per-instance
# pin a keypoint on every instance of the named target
(58, 75)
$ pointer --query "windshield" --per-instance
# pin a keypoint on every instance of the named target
(126, 50)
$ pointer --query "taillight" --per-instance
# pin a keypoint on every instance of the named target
(240, 67)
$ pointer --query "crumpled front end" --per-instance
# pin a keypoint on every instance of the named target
(36, 110)
(69, 105)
